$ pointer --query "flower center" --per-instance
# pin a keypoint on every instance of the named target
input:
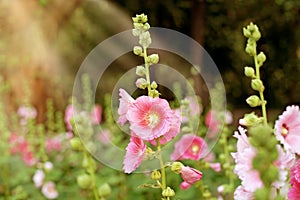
(153, 120)
(284, 130)
(195, 149)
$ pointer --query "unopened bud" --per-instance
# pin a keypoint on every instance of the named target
(176, 167)
(261, 58)
(155, 175)
(142, 18)
(249, 72)
(257, 85)
(153, 85)
(145, 39)
(76, 144)
(246, 33)
(153, 58)
(137, 50)
(141, 83)
(253, 101)
(168, 192)
(250, 49)
(104, 190)
(84, 181)
(140, 70)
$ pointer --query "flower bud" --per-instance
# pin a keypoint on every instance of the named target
(186, 129)
(142, 18)
(141, 83)
(153, 58)
(155, 175)
(256, 34)
(261, 58)
(76, 144)
(246, 33)
(253, 101)
(153, 85)
(104, 190)
(84, 181)
(251, 119)
(146, 27)
(176, 167)
(138, 25)
(140, 70)
(137, 50)
(257, 85)
(250, 49)
(168, 192)
(145, 39)
(249, 72)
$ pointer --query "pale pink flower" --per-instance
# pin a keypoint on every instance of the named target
(26, 113)
(174, 129)
(189, 147)
(125, 101)
(215, 166)
(189, 176)
(48, 166)
(49, 190)
(104, 136)
(135, 153)
(38, 178)
(243, 158)
(213, 122)
(287, 129)
(149, 117)
(96, 114)
(241, 193)
(69, 114)
(295, 173)
(28, 158)
(53, 144)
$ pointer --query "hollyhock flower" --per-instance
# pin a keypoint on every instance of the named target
(294, 192)
(53, 144)
(189, 176)
(213, 123)
(189, 147)
(125, 101)
(69, 113)
(96, 114)
(49, 190)
(38, 178)
(174, 129)
(135, 152)
(104, 136)
(215, 166)
(287, 129)
(48, 166)
(241, 193)
(243, 158)
(149, 117)
(28, 158)
(26, 113)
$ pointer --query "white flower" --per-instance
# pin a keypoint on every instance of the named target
(49, 190)
(38, 178)
(48, 166)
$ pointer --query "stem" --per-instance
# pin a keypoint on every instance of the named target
(261, 94)
(163, 171)
(91, 170)
(147, 71)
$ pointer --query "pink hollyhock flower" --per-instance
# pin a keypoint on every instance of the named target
(189, 176)
(213, 123)
(38, 178)
(53, 144)
(287, 129)
(104, 136)
(28, 158)
(189, 147)
(26, 113)
(69, 113)
(49, 190)
(135, 152)
(174, 129)
(241, 193)
(96, 114)
(48, 166)
(125, 101)
(294, 192)
(243, 158)
(215, 166)
(149, 117)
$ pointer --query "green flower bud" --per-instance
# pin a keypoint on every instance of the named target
(153, 85)
(138, 25)
(186, 129)
(176, 167)
(84, 181)
(137, 32)
(104, 190)
(250, 49)
(85, 162)
(142, 18)
(153, 58)
(140, 70)
(249, 72)
(256, 34)
(146, 27)
(137, 50)
(141, 83)
(246, 33)
(76, 144)
(168, 192)
(257, 85)
(261, 58)
(252, 119)
(155, 175)
(145, 39)
(253, 101)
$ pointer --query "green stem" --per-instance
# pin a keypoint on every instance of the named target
(163, 171)
(92, 173)
(147, 71)
(261, 94)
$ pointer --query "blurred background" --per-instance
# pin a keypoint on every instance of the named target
(44, 42)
